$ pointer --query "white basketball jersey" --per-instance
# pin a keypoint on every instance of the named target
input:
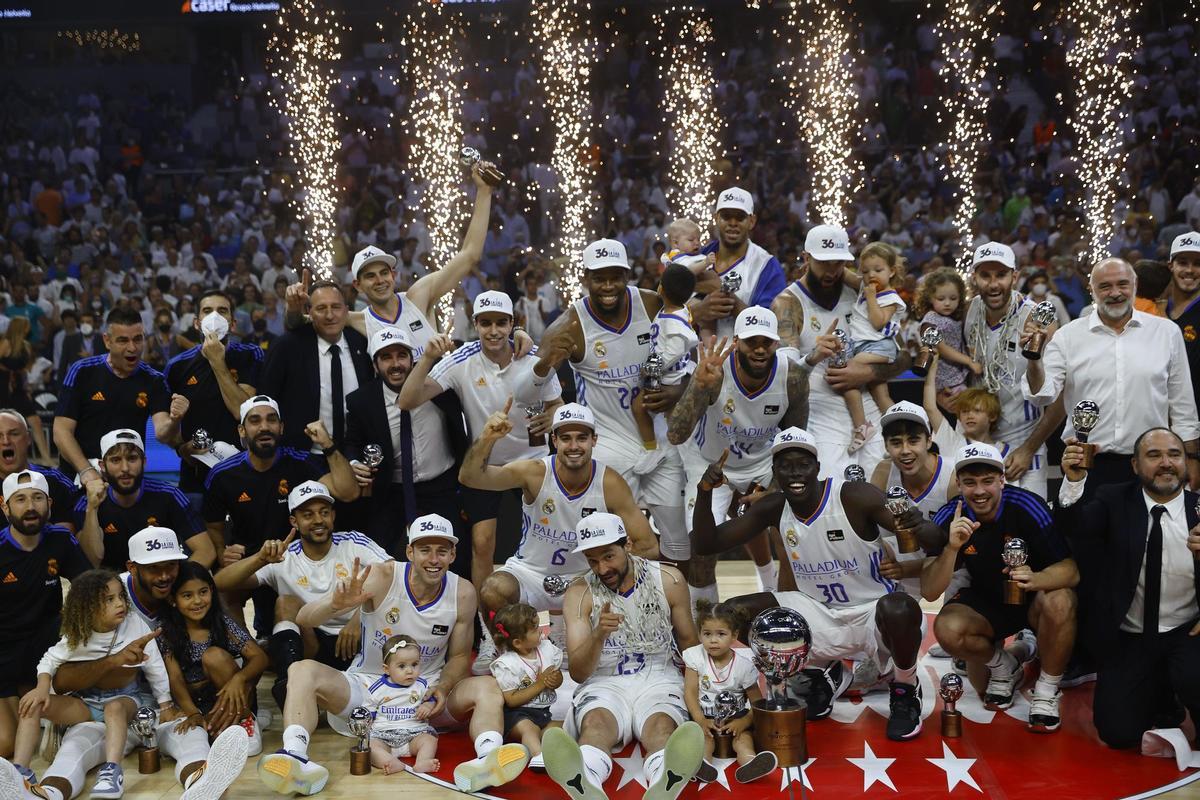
(749, 268)
(609, 375)
(1018, 416)
(395, 707)
(745, 422)
(408, 319)
(548, 523)
(397, 612)
(831, 562)
(929, 501)
(617, 660)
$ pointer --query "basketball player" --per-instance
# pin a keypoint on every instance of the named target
(738, 399)
(624, 621)
(607, 337)
(831, 564)
(423, 598)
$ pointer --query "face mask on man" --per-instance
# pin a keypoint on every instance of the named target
(86, 329)
(214, 323)
(1039, 289)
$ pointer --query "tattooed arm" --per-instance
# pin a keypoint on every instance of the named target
(790, 314)
(701, 391)
(797, 391)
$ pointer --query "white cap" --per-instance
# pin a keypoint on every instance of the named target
(791, 437)
(734, 197)
(756, 321)
(386, 337)
(121, 436)
(1186, 243)
(978, 453)
(254, 402)
(828, 243)
(309, 490)
(598, 530)
(905, 410)
(605, 253)
(994, 252)
(369, 255)
(153, 545)
(25, 479)
(572, 414)
(497, 302)
(431, 526)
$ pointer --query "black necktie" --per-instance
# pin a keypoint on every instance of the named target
(336, 396)
(406, 468)
(1153, 574)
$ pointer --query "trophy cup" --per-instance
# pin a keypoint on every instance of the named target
(855, 474)
(359, 723)
(731, 282)
(898, 503)
(372, 456)
(652, 372)
(1015, 554)
(201, 441)
(725, 708)
(842, 357)
(780, 640)
(469, 157)
(556, 585)
(951, 690)
(931, 337)
(1043, 314)
(145, 725)
(535, 439)
(1083, 419)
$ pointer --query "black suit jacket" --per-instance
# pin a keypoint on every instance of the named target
(72, 344)
(1117, 523)
(291, 375)
(367, 423)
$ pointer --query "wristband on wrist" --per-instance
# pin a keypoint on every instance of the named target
(328, 451)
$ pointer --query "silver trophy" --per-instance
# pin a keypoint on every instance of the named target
(1084, 418)
(556, 585)
(951, 691)
(898, 503)
(1043, 314)
(726, 705)
(201, 442)
(855, 474)
(652, 372)
(731, 282)
(359, 723)
(469, 157)
(145, 725)
(372, 456)
(535, 439)
(780, 640)
(931, 337)
(842, 357)
(1014, 554)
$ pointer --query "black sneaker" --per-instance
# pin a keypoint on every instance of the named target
(706, 774)
(825, 686)
(904, 719)
(762, 765)
(1079, 671)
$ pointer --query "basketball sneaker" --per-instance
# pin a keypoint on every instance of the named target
(1003, 683)
(287, 773)
(226, 758)
(487, 654)
(564, 765)
(681, 758)
(1043, 713)
(825, 686)
(904, 717)
(13, 785)
(497, 768)
(760, 766)
(110, 783)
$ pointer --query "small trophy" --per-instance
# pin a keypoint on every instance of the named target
(731, 282)
(535, 439)
(725, 708)
(842, 357)
(145, 725)
(1043, 314)
(951, 690)
(201, 442)
(556, 585)
(898, 503)
(372, 456)
(469, 157)
(1083, 419)
(652, 372)
(855, 474)
(931, 337)
(1014, 554)
(359, 723)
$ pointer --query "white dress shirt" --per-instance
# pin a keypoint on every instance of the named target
(1139, 377)
(1177, 603)
(430, 449)
(349, 380)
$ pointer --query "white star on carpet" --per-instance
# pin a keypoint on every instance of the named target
(632, 768)
(958, 770)
(796, 775)
(720, 765)
(874, 768)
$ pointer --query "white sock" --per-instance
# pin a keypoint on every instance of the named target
(597, 763)
(708, 593)
(285, 626)
(295, 740)
(905, 675)
(768, 576)
(1001, 658)
(653, 767)
(486, 742)
(1047, 685)
(1021, 649)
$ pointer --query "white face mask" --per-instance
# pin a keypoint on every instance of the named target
(214, 323)
(1039, 289)
(86, 329)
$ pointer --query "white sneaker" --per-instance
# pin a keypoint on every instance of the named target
(1043, 713)
(264, 717)
(487, 654)
(564, 765)
(226, 758)
(110, 785)
(937, 651)
(497, 768)
(14, 786)
(253, 730)
(286, 773)
(537, 762)
(1003, 683)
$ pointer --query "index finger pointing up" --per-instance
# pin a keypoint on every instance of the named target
(958, 510)
(832, 327)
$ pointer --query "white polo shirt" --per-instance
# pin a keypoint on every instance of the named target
(430, 447)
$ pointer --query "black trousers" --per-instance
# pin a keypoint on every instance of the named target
(1133, 677)
(440, 495)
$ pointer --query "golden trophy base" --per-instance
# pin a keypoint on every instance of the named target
(906, 541)
(360, 762)
(148, 761)
(1033, 350)
(723, 745)
(1089, 455)
(1014, 595)
(537, 440)
(920, 365)
(491, 176)
(783, 732)
(951, 724)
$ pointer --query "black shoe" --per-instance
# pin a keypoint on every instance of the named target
(825, 686)
(706, 774)
(904, 719)
(760, 766)
(1078, 672)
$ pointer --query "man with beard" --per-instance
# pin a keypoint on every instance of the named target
(34, 557)
(607, 336)
(625, 620)
(422, 598)
(975, 621)
(15, 442)
(1147, 532)
(740, 396)
(126, 501)
(301, 572)
(757, 273)
(1131, 364)
(809, 310)
(1182, 296)
(832, 564)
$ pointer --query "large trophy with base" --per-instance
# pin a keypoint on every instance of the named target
(930, 338)
(469, 157)
(1043, 314)
(780, 640)
(145, 725)
(359, 724)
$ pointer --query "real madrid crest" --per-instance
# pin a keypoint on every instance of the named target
(729, 405)
(814, 323)
(705, 682)
(414, 698)
(792, 539)
(392, 616)
(548, 506)
(599, 349)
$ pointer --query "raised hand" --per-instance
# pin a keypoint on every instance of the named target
(826, 345)
(179, 406)
(498, 424)
(317, 432)
(1072, 461)
(296, 296)
(710, 362)
(438, 346)
(961, 528)
(274, 551)
(350, 594)
(608, 621)
(134, 653)
(714, 476)
(212, 349)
